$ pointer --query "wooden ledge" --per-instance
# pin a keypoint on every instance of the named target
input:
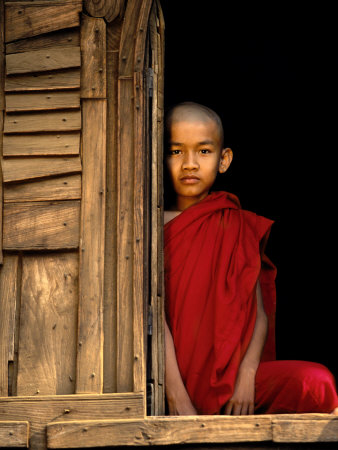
(14, 434)
(193, 430)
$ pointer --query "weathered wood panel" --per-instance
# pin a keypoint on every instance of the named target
(25, 20)
(42, 60)
(69, 79)
(20, 169)
(109, 9)
(61, 38)
(42, 101)
(8, 300)
(159, 431)
(110, 345)
(45, 409)
(14, 434)
(2, 106)
(93, 50)
(305, 428)
(41, 144)
(49, 121)
(58, 188)
(91, 274)
(41, 225)
(48, 325)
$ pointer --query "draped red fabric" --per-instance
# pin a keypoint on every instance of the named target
(213, 259)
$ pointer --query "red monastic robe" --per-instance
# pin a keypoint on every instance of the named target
(214, 255)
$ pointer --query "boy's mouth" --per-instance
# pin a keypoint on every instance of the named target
(189, 179)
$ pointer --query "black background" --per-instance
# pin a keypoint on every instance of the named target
(269, 73)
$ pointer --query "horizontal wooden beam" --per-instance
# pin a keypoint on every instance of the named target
(37, 101)
(193, 430)
(21, 169)
(42, 60)
(68, 79)
(305, 428)
(41, 225)
(47, 121)
(51, 144)
(14, 434)
(43, 409)
(159, 431)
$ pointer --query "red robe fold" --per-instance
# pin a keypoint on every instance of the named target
(213, 259)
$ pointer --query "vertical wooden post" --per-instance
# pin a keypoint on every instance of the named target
(2, 107)
(92, 239)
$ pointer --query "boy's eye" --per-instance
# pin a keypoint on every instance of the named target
(205, 151)
(174, 152)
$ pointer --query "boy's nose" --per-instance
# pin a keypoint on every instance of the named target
(190, 162)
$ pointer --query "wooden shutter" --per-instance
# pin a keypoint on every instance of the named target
(80, 120)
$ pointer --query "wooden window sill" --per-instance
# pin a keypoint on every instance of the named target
(286, 428)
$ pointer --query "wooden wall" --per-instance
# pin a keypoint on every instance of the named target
(81, 106)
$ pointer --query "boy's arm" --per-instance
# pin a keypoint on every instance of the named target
(243, 398)
(177, 396)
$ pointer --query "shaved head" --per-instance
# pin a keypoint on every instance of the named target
(194, 112)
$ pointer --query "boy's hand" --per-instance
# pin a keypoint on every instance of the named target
(243, 399)
(183, 408)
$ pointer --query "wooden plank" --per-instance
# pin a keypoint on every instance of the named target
(41, 225)
(307, 428)
(159, 431)
(57, 188)
(40, 410)
(20, 169)
(26, 20)
(41, 144)
(14, 434)
(61, 38)
(49, 121)
(8, 299)
(109, 9)
(89, 376)
(2, 108)
(42, 101)
(140, 284)
(69, 79)
(47, 346)
(93, 50)
(125, 243)
(43, 60)
(109, 319)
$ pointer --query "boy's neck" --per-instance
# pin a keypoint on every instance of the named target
(183, 203)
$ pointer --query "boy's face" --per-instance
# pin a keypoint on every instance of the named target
(194, 158)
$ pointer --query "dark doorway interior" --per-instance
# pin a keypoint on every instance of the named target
(269, 75)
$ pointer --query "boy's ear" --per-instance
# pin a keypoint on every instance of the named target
(225, 160)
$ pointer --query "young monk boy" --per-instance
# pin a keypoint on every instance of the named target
(220, 291)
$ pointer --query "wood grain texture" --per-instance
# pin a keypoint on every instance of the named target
(43, 60)
(42, 410)
(93, 51)
(61, 38)
(20, 169)
(42, 101)
(49, 121)
(26, 20)
(52, 144)
(307, 428)
(159, 431)
(109, 9)
(14, 434)
(57, 188)
(2, 107)
(41, 225)
(92, 244)
(8, 300)
(109, 319)
(48, 326)
(68, 79)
